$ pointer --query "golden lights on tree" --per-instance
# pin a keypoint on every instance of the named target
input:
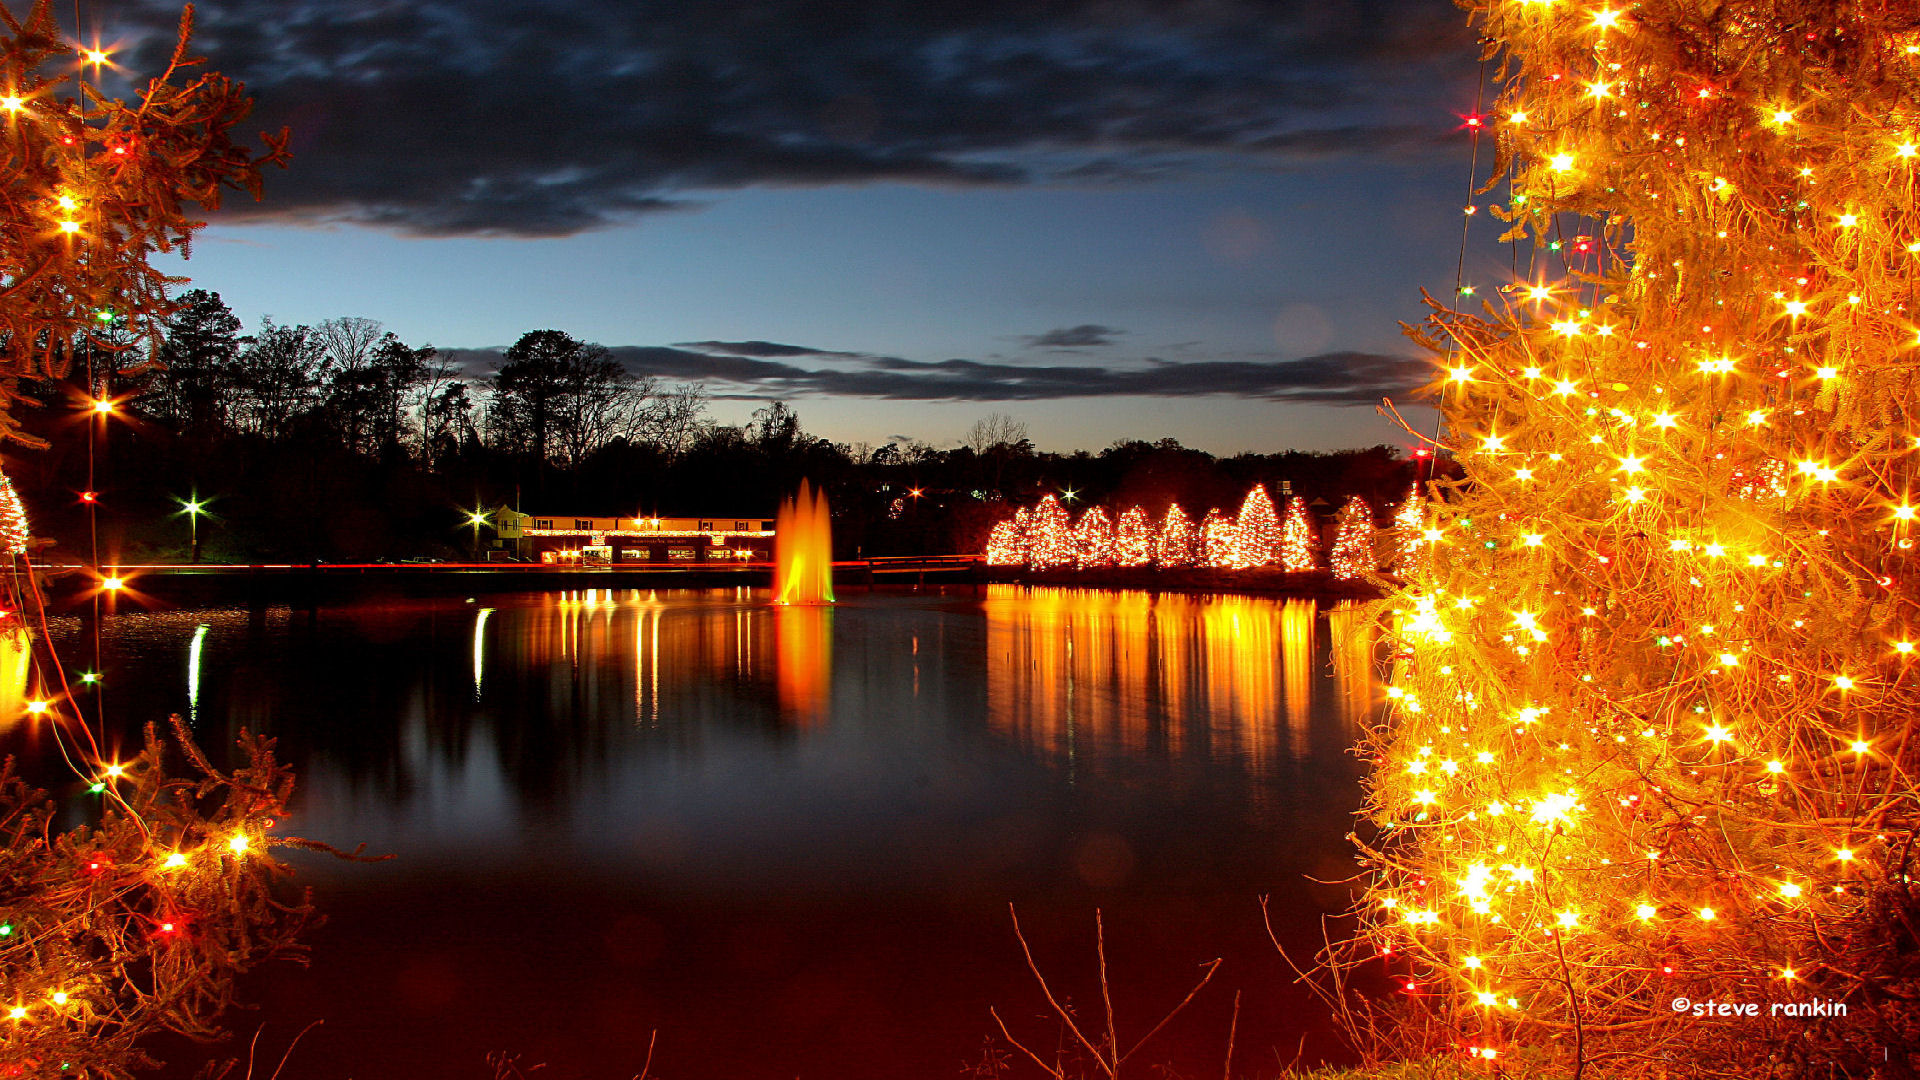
(1296, 539)
(1133, 539)
(1007, 543)
(138, 920)
(1652, 705)
(94, 186)
(1256, 536)
(1175, 546)
(1042, 537)
(13, 520)
(1411, 544)
(1093, 539)
(1352, 555)
(1050, 540)
(1219, 538)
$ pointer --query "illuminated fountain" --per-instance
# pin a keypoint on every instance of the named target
(803, 579)
(803, 550)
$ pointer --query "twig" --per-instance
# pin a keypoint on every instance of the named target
(1233, 1027)
(1065, 1016)
(291, 1045)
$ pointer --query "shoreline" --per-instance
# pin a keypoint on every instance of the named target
(147, 587)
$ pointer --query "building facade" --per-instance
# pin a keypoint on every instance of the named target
(629, 541)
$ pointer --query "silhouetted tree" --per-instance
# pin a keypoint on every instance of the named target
(199, 352)
(557, 399)
(276, 379)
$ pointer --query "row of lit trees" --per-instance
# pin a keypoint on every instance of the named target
(1044, 537)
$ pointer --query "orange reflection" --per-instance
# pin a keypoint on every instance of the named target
(1354, 636)
(1072, 672)
(16, 661)
(803, 650)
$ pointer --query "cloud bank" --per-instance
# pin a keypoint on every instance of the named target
(1334, 378)
(530, 118)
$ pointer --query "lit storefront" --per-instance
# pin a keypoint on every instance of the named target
(608, 541)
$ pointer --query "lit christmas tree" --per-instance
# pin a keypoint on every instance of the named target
(1050, 541)
(1352, 555)
(1219, 539)
(1296, 538)
(1256, 540)
(1093, 539)
(1133, 540)
(1007, 544)
(1651, 736)
(1177, 541)
(130, 897)
(1410, 543)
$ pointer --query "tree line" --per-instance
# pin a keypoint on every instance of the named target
(339, 441)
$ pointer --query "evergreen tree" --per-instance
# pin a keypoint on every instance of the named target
(1655, 698)
(194, 390)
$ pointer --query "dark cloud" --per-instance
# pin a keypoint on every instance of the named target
(525, 117)
(1335, 378)
(758, 348)
(1084, 336)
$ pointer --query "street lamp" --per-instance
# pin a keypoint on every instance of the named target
(193, 508)
(476, 518)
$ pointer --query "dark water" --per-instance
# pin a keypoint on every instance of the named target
(783, 839)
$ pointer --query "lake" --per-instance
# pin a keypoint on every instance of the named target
(783, 839)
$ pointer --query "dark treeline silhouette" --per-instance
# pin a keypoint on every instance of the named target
(339, 442)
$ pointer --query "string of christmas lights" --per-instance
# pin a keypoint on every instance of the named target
(1043, 537)
(1050, 539)
(1219, 539)
(1352, 555)
(1175, 546)
(1410, 540)
(1651, 707)
(1093, 539)
(1007, 543)
(1297, 544)
(1256, 536)
(138, 920)
(1133, 540)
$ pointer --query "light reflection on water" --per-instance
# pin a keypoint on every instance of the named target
(811, 818)
(1072, 672)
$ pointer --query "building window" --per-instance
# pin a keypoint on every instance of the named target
(706, 526)
(766, 526)
(675, 554)
(582, 523)
(542, 523)
(739, 526)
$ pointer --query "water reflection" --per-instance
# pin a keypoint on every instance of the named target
(1072, 673)
(1355, 637)
(480, 651)
(193, 672)
(787, 836)
(803, 644)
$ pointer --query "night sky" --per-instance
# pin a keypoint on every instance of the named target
(1110, 220)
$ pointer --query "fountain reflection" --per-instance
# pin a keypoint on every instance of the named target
(803, 642)
(1073, 674)
(16, 647)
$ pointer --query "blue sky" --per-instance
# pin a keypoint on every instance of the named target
(1149, 220)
